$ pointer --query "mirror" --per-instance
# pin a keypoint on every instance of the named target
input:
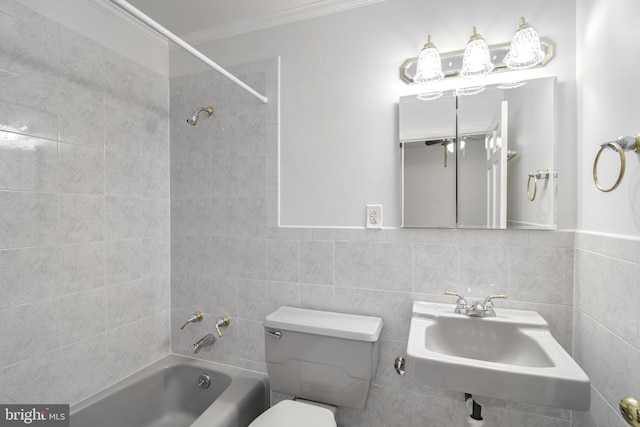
(483, 160)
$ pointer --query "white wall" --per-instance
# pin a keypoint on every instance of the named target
(340, 87)
(607, 46)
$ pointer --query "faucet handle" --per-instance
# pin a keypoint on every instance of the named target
(488, 299)
(461, 303)
(454, 294)
(195, 317)
(222, 322)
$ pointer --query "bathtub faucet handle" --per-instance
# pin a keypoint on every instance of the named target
(223, 322)
(195, 317)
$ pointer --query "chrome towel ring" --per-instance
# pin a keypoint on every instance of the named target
(622, 144)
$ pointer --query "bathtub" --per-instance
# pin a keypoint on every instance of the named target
(166, 394)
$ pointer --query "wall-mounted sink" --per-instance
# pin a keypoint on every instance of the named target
(512, 356)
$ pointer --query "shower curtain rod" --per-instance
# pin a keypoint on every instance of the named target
(177, 40)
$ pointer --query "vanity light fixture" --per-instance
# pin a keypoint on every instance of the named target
(429, 67)
(476, 61)
(525, 51)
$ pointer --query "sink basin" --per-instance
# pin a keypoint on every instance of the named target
(512, 356)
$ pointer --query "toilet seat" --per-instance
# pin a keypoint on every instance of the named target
(289, 413)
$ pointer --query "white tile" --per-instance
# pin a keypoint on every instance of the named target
(252, 297)
(536, 274)
(27, 163)
(281, 293)
(252, 176)
(30, 46)
(353, 264)
(123, 263)
(123, 217)
(252, 217)
(283, 260)
(317, 297)
(29, 275)
(252, 258)
(435, 268)
(316, 262)
(84, 363)
(154, 178)
(18, 95)
(223, 217)
(191, 255)
(392, 266)
(82, 267)
(122, 174)
(155, 256)
(28, 219)
(155, 217)
(29, 330)
(191, 179)
(250, 340)
(82, 92)
(194, 217)
(81, 218)
(81, 169)
(34, 381)
(83, 315)
(483, 270)
(224, 257)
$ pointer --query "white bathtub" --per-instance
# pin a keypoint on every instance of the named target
(166, 394)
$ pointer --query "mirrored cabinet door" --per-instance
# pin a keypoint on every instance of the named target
(428, 141)
(467, 160)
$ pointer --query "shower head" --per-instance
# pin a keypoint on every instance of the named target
(196, 114)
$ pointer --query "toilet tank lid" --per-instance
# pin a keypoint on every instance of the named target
(325, 323)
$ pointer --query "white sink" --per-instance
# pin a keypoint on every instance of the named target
(512, 356)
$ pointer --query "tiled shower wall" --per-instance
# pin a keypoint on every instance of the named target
(229, 257)
(84, 212)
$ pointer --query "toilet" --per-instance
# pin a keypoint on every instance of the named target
(324, 359)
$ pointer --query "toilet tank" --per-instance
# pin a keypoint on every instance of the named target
(322, 356)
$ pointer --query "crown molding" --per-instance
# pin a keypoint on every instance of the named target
(129, 21)
(314, 10)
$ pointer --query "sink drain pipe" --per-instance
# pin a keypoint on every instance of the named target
(476, 408)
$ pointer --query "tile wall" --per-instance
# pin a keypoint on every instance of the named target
(606, 324)
(228, 257)
(84, 212)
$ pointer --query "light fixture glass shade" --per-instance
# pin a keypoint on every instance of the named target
(429, 67)
(511, 85)
(429, 96)
(476, 61)
(525, 51)
(468, 91)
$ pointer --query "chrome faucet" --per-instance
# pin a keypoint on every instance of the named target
(477, 309)
(205, 341)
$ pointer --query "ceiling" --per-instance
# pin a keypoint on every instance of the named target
(198, 21)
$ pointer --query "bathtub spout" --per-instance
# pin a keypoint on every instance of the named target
(205, 341)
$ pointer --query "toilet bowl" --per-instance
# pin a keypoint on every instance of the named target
(324, 359)
(294, 413)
